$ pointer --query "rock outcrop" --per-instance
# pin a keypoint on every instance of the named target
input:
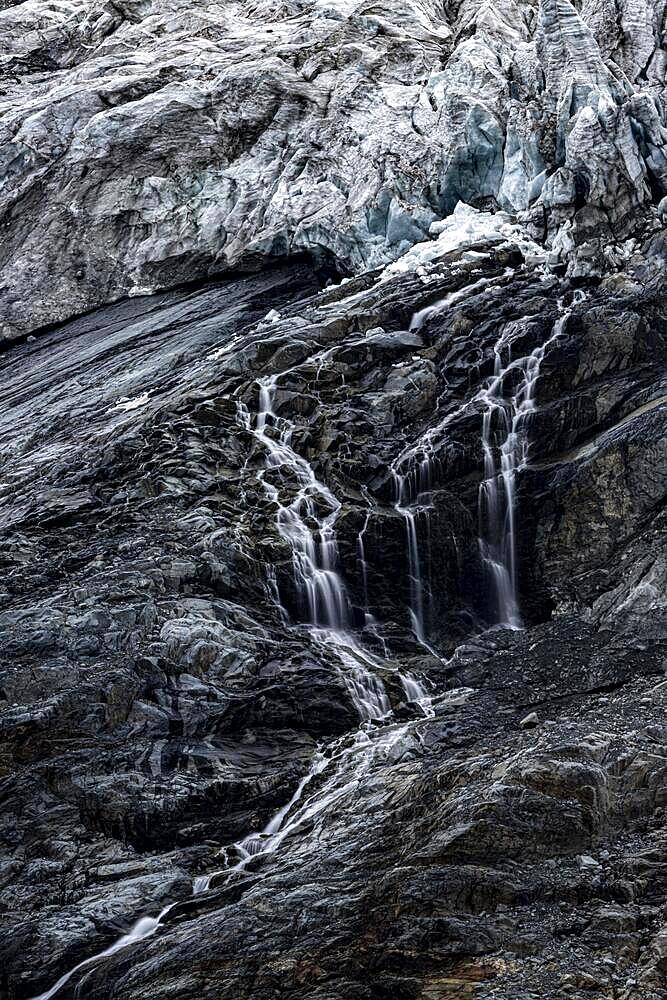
(332, 615)
(163, 697)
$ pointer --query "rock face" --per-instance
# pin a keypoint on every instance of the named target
(333, 614)
(145, 144)
(166, 462)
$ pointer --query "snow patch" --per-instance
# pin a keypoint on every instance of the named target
(465, 227)
(124, 403)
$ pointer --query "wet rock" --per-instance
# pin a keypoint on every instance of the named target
(587, 863)
(164, 694)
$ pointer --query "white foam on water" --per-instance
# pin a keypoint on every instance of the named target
(142, 929)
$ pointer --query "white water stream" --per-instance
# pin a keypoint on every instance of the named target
(363, 565)
(144, 928)
(346, 760)
(314, 549)
(342, 766)
(327, 604)
(413, 502)
(307, 522)
(505, 442)
(413, 474)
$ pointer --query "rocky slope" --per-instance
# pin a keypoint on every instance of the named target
(148, 143)
(162, 700)
(333, 608)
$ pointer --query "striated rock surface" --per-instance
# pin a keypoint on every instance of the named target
(164, 697)
(333, 615)
(145, 144)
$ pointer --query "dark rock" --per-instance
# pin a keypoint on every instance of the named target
(164, 692)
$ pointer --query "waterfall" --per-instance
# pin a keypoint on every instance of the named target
(144, 928)
(319, 584)
(307, 522)
(415, 691)
(363, 565)
(346, 761)
(412, 491)
(412, 488)
(505, 428)
(315, 559)
(269, 839)
(508, 419)
(359, 753)
(366, 689)
(496, 501)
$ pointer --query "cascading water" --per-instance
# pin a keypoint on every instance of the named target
(365, 687)
(505, 429)
(270, 837)
(315, 553)
(413, 471)
(144, 928)
(422, 316)
(307, 522)
(413, 477)
(497, 541)
(413, 501)
(315, 557)
(363, 565)
(415, 691)
(341, 767)
(347, 761)
(329, 611)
